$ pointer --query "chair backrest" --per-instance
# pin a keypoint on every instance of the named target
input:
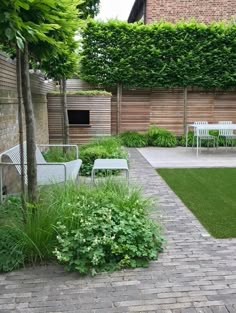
(201, 132)
(225, 132)
(14, 155)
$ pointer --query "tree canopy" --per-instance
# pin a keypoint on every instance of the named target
(162, 54)
(89, 8)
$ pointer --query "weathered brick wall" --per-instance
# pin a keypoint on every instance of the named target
(8, 105)
(201, 10)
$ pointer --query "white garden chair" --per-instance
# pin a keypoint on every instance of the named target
(47, 172)
(203, 134)
(227, 134)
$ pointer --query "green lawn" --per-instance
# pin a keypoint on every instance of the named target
(210, 194)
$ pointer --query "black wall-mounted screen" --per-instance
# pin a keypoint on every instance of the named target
(78, 117)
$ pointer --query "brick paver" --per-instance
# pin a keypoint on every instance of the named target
(195, 274)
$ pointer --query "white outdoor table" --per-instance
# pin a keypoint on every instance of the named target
(217, 126)
(110, 164)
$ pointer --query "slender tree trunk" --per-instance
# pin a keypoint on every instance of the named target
(185, 109)
(62, 114)
(30, 127)
(119, 103)
(65, 115)
(21, 132)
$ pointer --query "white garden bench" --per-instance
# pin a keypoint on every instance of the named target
(47, 172)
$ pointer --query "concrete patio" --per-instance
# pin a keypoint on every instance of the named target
(180, 157)
(195, 274)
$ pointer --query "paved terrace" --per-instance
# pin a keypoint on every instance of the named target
(181, 157)
(195, 274)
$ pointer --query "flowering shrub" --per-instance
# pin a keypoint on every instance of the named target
(107, 230)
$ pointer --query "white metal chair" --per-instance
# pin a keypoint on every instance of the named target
(227, 134)
(47, 172)
(203, 134)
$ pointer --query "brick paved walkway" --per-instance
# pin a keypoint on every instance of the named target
(195, 274)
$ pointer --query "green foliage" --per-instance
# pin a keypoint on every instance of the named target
(29, 242)
(86, 93)
(182, 54)
(107, 229)
(160, 137)
(11, 255)
(56, 154)
(133, 139)
(105, 148)
(48, 21)
(35, 240)
(89, 8)
(181, 140)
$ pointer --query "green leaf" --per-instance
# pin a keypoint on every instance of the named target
(9, 33)
(20, 43)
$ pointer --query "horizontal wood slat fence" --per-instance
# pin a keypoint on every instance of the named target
(165, 108)
(99, 108)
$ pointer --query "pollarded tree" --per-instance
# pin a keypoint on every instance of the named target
(31, 22)
(61, 66)
(160, 55)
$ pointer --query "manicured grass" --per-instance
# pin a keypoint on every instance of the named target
(210, 194)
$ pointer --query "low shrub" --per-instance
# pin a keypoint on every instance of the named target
(133, 139)
(107, 229)
(56, 154)
(220, 141)
(105, 148)
(160, 137)
(11, 254)
(87, 228)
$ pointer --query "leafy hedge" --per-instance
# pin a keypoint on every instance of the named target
(162, 54)
(89, 93)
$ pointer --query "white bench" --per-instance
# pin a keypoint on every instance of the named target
(110, 164)
(47, 172)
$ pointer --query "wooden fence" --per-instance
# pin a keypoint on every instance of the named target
(165, 108)
(99, 108)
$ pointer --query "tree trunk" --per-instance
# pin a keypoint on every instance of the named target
(185, 109)
(119, 102)
(65, 115)
(30, 127)
(21, 132)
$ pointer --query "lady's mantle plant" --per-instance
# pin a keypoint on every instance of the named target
(108, 231)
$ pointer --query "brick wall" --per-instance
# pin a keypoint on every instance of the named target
(201, 10)
(8, 105)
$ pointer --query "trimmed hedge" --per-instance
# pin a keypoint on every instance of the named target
(162, 54)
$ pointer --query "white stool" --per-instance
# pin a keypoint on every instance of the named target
(110, 164)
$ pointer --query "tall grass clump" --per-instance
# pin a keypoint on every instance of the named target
(56, 154)
(134, 139)
(86, 228)
(160, 137)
